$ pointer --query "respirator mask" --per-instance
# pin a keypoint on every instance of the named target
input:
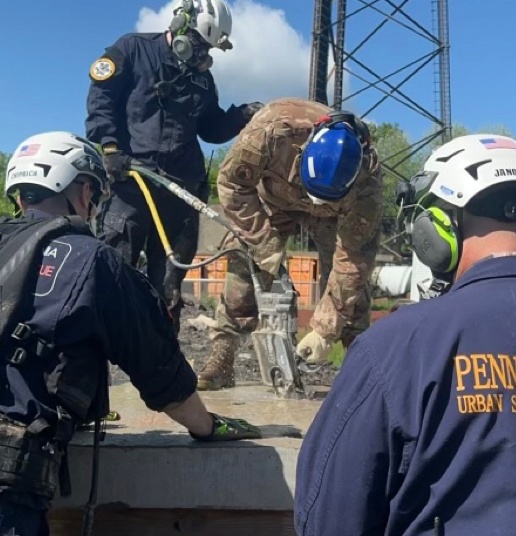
(193, 50)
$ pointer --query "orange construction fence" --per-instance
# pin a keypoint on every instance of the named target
(303, 269)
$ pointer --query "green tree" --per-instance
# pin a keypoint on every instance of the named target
(394, 150)
(499, 129)
(6, 208)
(213, 163)
(458, 129)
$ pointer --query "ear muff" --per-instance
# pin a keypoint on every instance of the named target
(180, 23)
(436, 240)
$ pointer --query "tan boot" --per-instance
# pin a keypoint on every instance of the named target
(218, 372)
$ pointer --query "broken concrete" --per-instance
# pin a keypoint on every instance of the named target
(202, 322)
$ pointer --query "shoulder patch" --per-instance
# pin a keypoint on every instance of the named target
(102, 69)
(55, 256)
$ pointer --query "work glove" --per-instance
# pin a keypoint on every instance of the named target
(248, 110)
(226, 429)
(313, 348)
(116, 162)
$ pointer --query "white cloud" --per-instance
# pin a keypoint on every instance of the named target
(154, 21)
(270, 59)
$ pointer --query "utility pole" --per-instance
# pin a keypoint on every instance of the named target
(369, 22)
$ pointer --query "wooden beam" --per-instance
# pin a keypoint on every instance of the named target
(114, 520)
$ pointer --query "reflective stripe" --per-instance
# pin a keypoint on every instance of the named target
(311, 169)
(319, 134)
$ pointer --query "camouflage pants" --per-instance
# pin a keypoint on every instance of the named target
(237, 311)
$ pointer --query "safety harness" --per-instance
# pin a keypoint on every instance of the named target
(31, 456)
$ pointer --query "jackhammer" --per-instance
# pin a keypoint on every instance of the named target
(274, 339)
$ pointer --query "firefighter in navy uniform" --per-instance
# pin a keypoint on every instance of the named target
(418, 434)
(151, 96)
(69, 303)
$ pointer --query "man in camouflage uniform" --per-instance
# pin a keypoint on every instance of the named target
(275, 176)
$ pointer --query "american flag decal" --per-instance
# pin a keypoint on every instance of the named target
(29, 150)
(498, 143)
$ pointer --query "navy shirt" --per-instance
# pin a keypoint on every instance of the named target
(93, 307)
(158, 131)
(421, 421)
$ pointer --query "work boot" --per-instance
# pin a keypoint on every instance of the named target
(218, 372)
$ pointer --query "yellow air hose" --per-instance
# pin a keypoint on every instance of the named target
(195, 203)
(154, 212)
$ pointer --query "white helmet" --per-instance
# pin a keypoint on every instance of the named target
(54, 160)
(211, 18)
(468, 165)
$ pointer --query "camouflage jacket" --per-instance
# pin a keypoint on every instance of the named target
(262, 195)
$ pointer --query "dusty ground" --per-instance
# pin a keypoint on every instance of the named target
(194, 338)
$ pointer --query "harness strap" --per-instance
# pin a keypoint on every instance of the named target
(28, 343)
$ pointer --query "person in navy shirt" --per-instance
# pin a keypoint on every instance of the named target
(418, 433)
(73, 307)
(152, 96)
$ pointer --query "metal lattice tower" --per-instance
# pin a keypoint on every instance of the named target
(359, 34)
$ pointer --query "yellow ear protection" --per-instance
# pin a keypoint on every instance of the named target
(436, 240)
(429, 230)
(180, 24)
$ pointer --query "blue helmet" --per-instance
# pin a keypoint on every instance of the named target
(331, 160)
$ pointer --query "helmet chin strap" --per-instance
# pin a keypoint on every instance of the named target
(73, 212)
(71, 208)
(439, 284)
(92, 218)
(17, 211)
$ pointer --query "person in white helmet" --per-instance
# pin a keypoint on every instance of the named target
(418, 435)
(152, 96)
(69, 303)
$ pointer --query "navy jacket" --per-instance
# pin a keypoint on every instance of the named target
(421, 421)
(159, 131)
(93, 306)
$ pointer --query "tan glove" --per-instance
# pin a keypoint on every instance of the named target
(271, 263)
(313, 348)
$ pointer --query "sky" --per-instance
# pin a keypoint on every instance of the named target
(48, 47)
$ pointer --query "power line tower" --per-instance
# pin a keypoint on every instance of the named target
(382, 53)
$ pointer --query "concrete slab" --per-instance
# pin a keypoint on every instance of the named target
(148, 461)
